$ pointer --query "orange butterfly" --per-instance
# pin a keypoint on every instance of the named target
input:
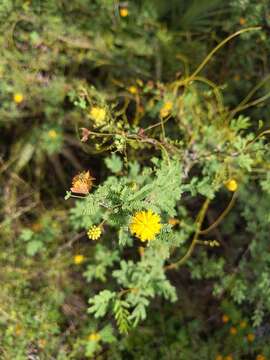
(82, 183)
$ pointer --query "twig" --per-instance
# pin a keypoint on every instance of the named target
(199, 222)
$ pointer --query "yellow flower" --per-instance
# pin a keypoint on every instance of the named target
(123, 12)
(232, 185)
(243, 324)
(225, 318)
(228, 357)
(52, 134)
(94, 337)
(219, 357)
(260, 357)
(242, 21)
(98, 114)
(94, 232)
(145, 225)
(250, 337)
(133, 90)
(78, 259)
(18, 98)
(233, 330)
(166, 109)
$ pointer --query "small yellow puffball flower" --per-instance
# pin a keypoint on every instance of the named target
(52, 134)
(78, 259)
(237, 77)
(219, 357)
(94, 232)
(166, 109)
(145, 225)
(250, 337)
(94, 337)
(233, 330)
(228, 357)
(232, 185)
(243, 324)
(123, 11)
(260, 357)
(242, 21)
(133, 90)
(18, 98)
(98, 115)
(225, 318)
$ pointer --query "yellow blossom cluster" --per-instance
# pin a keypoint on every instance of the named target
(231, 185)
(145, 225)
(18, 98)
(94, 337)
(98, 115)
(166, 109)
(52, 134)
(94, 232)
(78, 259)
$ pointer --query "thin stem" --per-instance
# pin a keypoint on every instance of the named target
(249, 96)
(210, 55)
(221, 217)
(191, 248)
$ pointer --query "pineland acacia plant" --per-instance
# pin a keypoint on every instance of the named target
(198, 152)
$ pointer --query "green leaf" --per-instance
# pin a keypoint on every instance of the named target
(100, 303)
(33, 247)
(114, 163)
(26, 235)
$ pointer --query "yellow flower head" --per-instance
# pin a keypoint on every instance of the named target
(18, 98)
(260, 357)
(219, 357)
(243, 324)
(233, 330)
(94, 232)
(133, 89)
(250, 337)
(145, 225)
(228, 357)
(52, 134)
(166, 109)
(98, 115)
(78, 259)
(123, 11)
(242, 21)
(225, 318)
(232, 185)
(94, 337)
